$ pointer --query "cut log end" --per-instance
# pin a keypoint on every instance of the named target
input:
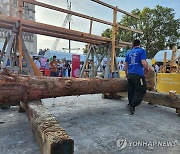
(51, 137)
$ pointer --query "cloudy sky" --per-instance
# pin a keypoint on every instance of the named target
(92, 9)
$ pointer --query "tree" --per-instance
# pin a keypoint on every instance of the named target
(159, 26)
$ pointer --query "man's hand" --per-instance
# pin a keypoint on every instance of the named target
(145, 65)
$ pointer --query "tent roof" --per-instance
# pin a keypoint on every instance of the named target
(160, 55)
(61, 55)
(1, 45)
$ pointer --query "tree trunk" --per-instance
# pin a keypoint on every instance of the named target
(15, 88)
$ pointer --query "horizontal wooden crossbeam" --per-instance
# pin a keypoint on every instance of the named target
(53, 31)
(122, 44)
(67, 11)
(162, 99)
(113, 7)
(130, 29)
(82, 15)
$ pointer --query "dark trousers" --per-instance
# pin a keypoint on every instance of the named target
(53, 74)
(136, 89)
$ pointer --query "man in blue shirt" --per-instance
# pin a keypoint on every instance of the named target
(135, 63)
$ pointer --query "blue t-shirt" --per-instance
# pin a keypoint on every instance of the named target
(133, 58)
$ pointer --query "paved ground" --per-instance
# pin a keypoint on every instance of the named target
(95, 124)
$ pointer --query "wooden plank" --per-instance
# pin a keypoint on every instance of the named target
(113, 7)
(86, 61)
(51, 137)
(20, 39)
(49, 30)
(164, 62)
(107, 69)
(99, 60)
(8, 49)
(82, 15)
(33, 68)
(41, 26)
(123, 43)
(113, 52)
(130, 29)
(68, 12)
(93, 66)
(3, 49)
(162, 99)
(64, 36)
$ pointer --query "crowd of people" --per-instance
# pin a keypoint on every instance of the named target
(54, 67)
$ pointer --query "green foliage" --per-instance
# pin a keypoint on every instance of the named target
(159, 26)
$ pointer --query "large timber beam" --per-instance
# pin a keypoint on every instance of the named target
(129, 29)
(54, 31)
(51, 137)
(122, 43)
(67, 11)
(113, 7)
(15, 88)
(162, 99)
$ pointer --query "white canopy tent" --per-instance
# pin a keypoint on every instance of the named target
(160, 55)
(61, 55)
(1, 45)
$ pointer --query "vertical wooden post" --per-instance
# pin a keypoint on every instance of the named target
(87, 57)
(173, 57)
(114, 29)
(20, 10)
(178, 69)
(85, 66)
(90, 29)
(8, 49)
(4, 48)
(10, 8)
(93, 66)
(164, 62)
(107, 69)
(116, 64)
(15, 51)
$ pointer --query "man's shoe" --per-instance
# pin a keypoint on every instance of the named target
(134, 109)
(130, 109)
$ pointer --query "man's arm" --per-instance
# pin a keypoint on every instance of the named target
(145, 64)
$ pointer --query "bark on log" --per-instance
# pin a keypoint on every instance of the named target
(51, 138)
(162, 99)
(15, 88)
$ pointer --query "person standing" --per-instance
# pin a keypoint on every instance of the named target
(156, 68)
(121, 66)
(37, 62)
(135, 63)
(53, 67)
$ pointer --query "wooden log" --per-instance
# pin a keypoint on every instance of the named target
(163, 99)
(51, 138)
(160, 99)
(16, 88)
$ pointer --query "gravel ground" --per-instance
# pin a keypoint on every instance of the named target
(95, 125)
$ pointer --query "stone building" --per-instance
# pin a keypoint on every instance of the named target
(10, 8)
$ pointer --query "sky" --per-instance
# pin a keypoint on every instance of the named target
(90, 8)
